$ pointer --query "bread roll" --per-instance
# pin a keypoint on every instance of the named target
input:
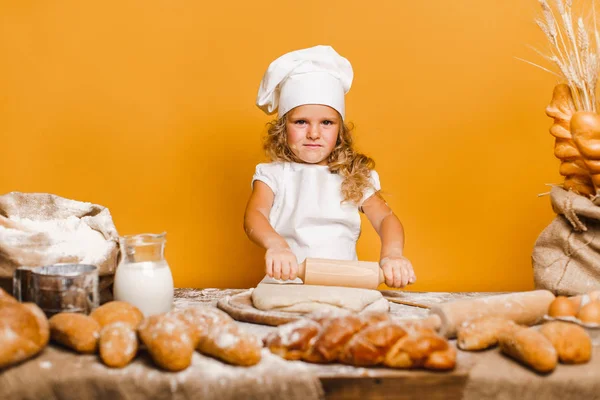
(168, 341)
(23, 331)
(5, 297)
(118, 311)
(530, 347)
(590, 313)
(118, 344)
(562, 306)
(196, 328)
(42, 321)
(78, 332)
(482, 333)
(572, 343)
(221, 337)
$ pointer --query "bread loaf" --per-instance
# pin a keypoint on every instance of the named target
(24, 330)
(525, 308)
(5, 297)
(168, 341)
(366, 340)
(590, 313)
(78, 332)
(562, 306)
(118, 344)
(572, 167)
(572, 343)
(421, 348)
(585, 129)
(118, 311)
(482, 333)
(118, 338)
(530, 347)
(218, 335)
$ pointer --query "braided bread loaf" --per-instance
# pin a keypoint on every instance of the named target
(362, 340)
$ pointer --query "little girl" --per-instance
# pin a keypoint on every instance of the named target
(306, 202)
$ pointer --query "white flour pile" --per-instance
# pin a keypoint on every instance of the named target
(42, 229)
(67, 240)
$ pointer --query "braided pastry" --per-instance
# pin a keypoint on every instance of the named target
(362, 340)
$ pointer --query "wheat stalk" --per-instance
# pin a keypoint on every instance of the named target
(573, 50)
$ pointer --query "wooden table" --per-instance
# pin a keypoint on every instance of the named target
(60, 374)
(478, 375)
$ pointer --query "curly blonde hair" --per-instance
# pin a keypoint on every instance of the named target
(354, 167)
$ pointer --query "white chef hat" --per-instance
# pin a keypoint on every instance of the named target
(317, 75)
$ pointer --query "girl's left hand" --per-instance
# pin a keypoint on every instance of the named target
(398, 271)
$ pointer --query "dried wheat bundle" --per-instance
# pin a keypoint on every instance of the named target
(574, 49)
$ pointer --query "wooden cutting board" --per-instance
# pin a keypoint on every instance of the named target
(240, 307)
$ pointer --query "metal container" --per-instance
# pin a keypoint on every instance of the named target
(22, 287)
(59, 288)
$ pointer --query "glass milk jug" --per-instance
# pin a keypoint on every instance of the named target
(143, 277)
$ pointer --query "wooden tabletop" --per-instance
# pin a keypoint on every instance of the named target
(478, 375)
(60, 374)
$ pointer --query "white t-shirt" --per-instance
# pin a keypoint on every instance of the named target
(308, 211)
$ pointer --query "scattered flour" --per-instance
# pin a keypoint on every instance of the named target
(45, 364)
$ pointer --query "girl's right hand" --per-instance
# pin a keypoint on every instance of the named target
(281, 263)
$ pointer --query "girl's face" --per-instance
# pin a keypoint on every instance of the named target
(312, 131)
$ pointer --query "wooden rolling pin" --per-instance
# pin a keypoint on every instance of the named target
(525, 308)
(357, 274)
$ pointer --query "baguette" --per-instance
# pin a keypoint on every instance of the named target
(529, 347)
(572, 343)
(365, 340)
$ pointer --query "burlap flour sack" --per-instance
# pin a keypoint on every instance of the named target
(566, 255)
(41, 229)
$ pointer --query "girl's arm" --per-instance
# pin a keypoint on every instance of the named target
(397, 269)
(280, 261)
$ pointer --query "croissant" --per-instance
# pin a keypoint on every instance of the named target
(365, 340)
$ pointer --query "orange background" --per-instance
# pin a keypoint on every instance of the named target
(147, 107)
